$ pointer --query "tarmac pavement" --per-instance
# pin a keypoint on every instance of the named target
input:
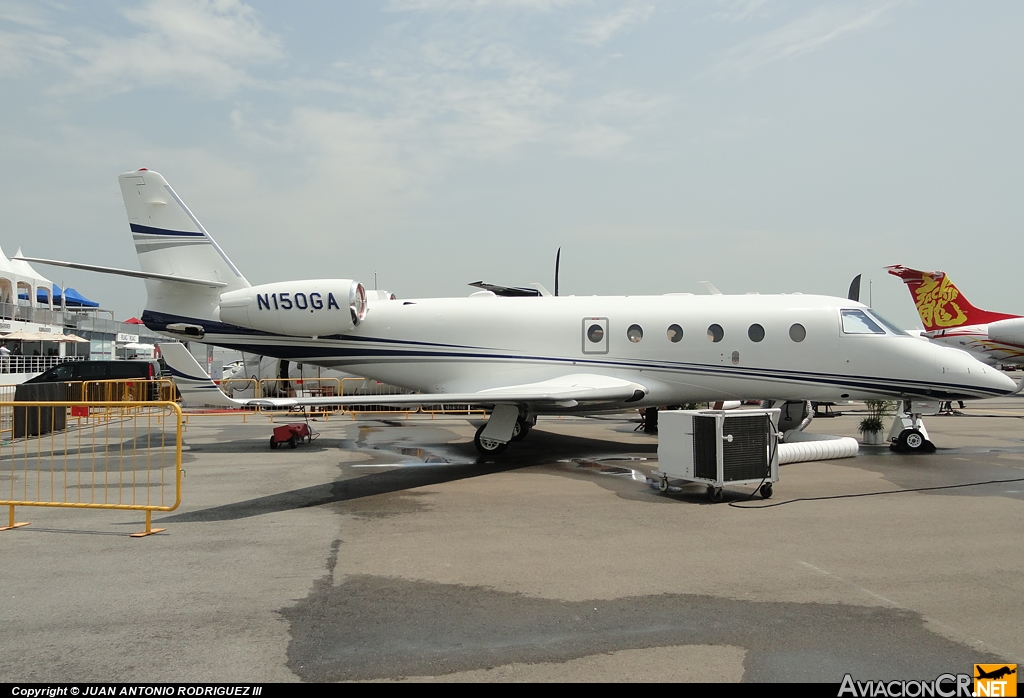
(386, 550)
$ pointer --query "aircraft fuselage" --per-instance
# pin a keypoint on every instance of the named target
(468, 344)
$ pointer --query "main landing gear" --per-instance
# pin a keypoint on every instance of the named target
(521, 429)
(490, 446)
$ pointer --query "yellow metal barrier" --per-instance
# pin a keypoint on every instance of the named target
(452, 409)
(232, 385)
(152, 390)
(300, 387)
(164, 390)
(368, 387)
(130, 460)
(120, 391)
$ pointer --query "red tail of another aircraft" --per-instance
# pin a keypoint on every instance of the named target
(940, 304)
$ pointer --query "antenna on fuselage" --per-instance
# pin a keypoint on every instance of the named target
(558, 260)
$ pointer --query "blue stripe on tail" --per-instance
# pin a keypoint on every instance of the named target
(136, 228)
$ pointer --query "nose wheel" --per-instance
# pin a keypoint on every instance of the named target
(913, 441)
(908, 433)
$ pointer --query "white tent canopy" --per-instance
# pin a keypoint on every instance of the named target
(21, 272)
(6, 266)
(25, 269)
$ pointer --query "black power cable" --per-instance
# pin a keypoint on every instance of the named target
(872, 494)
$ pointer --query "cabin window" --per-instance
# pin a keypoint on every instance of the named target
(635, 333)
(755, 332)
(858, 322)
(797, 332)
(675, 333)
(595, 333)
(716, 333)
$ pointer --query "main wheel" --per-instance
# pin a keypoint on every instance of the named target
(273, 443)
(766, 490)
(293, 442)
(520, 430)
(488, 447)
(714, 493)
(912, 441)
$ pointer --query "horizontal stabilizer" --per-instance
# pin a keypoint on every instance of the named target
(125, 272)
(197, 389)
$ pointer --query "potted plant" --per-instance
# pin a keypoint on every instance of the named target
(872, 425)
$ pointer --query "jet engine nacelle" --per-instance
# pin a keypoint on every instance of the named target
(309, 308)
(1009, 331)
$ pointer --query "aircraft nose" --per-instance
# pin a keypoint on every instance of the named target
(963, 368)
(990, 378)
(1001, 381)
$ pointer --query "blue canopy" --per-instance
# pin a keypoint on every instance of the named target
(72, 298)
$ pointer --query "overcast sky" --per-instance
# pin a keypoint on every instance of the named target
(763, 145)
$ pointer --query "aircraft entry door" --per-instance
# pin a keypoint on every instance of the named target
(595, 335)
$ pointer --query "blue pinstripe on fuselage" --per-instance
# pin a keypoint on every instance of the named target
(348, 350)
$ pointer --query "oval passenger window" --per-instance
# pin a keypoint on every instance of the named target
(716, 333)
(595, 333)
(675, 333)
(797, 332)
(755, 332)
(635, 333)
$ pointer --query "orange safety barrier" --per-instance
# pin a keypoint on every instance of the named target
(128, 460)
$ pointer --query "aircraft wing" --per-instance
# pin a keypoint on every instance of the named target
(197, 389)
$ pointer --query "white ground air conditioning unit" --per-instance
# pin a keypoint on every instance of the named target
(719, 448)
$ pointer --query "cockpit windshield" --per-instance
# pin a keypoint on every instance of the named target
(859, 322)
(888, 325)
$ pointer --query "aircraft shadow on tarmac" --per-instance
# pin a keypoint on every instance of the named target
(538, 449)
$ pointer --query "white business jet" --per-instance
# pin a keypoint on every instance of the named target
(521, 357)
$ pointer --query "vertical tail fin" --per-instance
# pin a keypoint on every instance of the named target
(940, 304)
(168, 238)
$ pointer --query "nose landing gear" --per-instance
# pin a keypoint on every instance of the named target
(908, 433)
